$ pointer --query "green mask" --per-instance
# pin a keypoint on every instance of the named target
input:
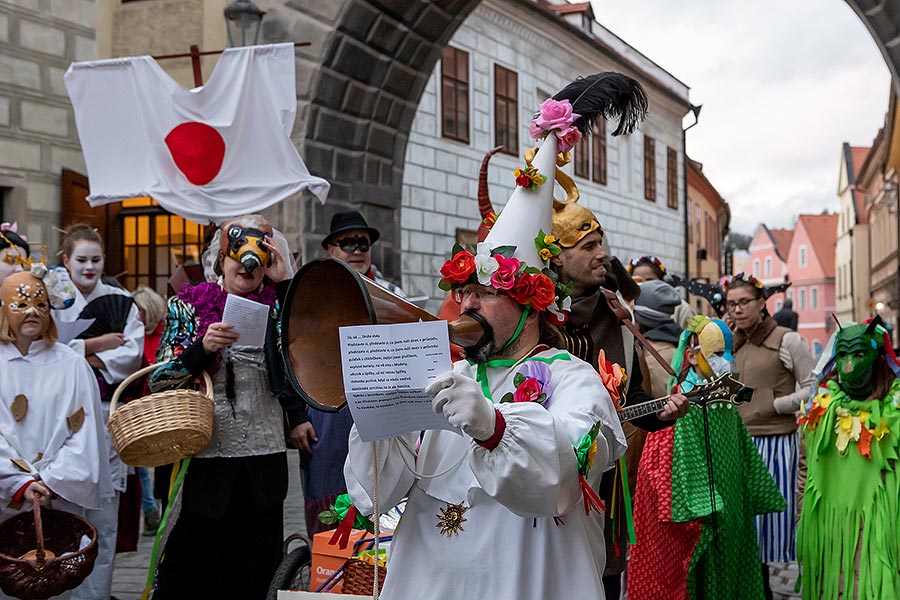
(856, 349)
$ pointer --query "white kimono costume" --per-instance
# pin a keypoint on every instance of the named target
(510, 547)
(57, 384)
(120, 363)
(51, 441)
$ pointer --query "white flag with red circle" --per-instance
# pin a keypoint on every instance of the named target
(207, 154)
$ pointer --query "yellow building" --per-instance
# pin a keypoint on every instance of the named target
(708, 218)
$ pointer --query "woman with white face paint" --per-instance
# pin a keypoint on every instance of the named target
(113, 344)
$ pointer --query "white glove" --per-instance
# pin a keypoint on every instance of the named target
(460, 400)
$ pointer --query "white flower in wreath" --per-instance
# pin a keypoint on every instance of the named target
(558, 311)
(485, 264)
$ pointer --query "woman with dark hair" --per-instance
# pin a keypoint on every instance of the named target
(777, 364)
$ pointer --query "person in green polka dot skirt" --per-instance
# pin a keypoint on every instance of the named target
(700, 486)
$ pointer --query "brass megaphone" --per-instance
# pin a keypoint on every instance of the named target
(327, 294)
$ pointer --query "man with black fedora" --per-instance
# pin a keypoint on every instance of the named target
(350, 240)
(325, 449)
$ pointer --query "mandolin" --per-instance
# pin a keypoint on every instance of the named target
(724, 389)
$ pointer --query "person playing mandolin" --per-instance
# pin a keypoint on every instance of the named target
(598, 322)
(701, 484)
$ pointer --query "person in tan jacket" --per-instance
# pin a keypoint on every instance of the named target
(777, 364)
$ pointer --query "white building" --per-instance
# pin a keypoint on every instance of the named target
(852, 249)
(535, 50)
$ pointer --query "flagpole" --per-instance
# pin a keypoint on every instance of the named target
(195, 55)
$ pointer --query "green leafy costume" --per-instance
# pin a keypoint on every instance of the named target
(851, 504)
(847, 539)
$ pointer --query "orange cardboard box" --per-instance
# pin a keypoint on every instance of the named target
(327, 559)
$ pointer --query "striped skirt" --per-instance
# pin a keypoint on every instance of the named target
(775, 531)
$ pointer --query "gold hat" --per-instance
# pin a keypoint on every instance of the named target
(571, 222)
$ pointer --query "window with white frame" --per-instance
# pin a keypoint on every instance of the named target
(756, 267)
(803, 256)
(814, 298)
(768, 266)
(816, 348)
(778, 305)
(802, 301)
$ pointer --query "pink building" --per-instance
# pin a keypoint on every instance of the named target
(768, 260)
(810, 265)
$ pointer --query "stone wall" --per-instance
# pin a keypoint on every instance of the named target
(38, 40)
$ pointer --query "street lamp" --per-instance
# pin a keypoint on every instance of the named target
(243, 19)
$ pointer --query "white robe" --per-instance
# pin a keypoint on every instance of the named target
(57, 383)
(119, 362)
(510, 548)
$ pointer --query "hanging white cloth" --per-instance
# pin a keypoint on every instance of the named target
(211, 153)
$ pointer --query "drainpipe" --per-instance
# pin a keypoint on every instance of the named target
(687, 216)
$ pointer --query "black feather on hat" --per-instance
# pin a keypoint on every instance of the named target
(609, 95)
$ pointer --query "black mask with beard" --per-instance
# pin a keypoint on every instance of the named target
(481, 351)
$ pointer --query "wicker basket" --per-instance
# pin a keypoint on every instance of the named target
(43, 577)
(359, 577)
(161, 428)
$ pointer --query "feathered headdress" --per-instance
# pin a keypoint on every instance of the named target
(610, 95)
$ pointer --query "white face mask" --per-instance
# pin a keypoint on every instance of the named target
(719, 365)
(9, 262)
(86, 264)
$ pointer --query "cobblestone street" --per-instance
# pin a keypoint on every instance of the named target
(131, 568)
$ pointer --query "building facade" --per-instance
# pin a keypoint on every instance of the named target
(811, 268)
(767, 260)
(879, 176)
(852, 247)
(504, 60)
(708, 221)
(38, 139)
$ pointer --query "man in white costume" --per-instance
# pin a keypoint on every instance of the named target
(506, 510)
(51, 437)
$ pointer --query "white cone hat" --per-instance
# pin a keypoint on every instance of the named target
(529, 210)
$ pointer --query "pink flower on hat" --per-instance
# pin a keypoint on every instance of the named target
(568, 138)
(555, 114)
(535, 131)
(505, 275)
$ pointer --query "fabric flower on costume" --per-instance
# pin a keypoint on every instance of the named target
(567, 139)
(485, 264)
(847, 427)
(728, 281)
(546, 245)
(457, 270)
(613, 378)
(349, 517)
(555, 114)
(504, 278)
(529, 178)
(585, 453)
(532, 384)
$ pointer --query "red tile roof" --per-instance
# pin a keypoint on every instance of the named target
(782, 239)
(858, 156)
(822, 232)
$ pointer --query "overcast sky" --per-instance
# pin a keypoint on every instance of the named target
(783, 84)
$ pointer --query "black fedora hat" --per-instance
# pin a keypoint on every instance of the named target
(347, 221)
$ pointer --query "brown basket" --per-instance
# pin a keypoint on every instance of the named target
(359, 577)
(55, 530)
(161, 428)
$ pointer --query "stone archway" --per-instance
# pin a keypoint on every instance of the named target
(882, 19)
(369, 63)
